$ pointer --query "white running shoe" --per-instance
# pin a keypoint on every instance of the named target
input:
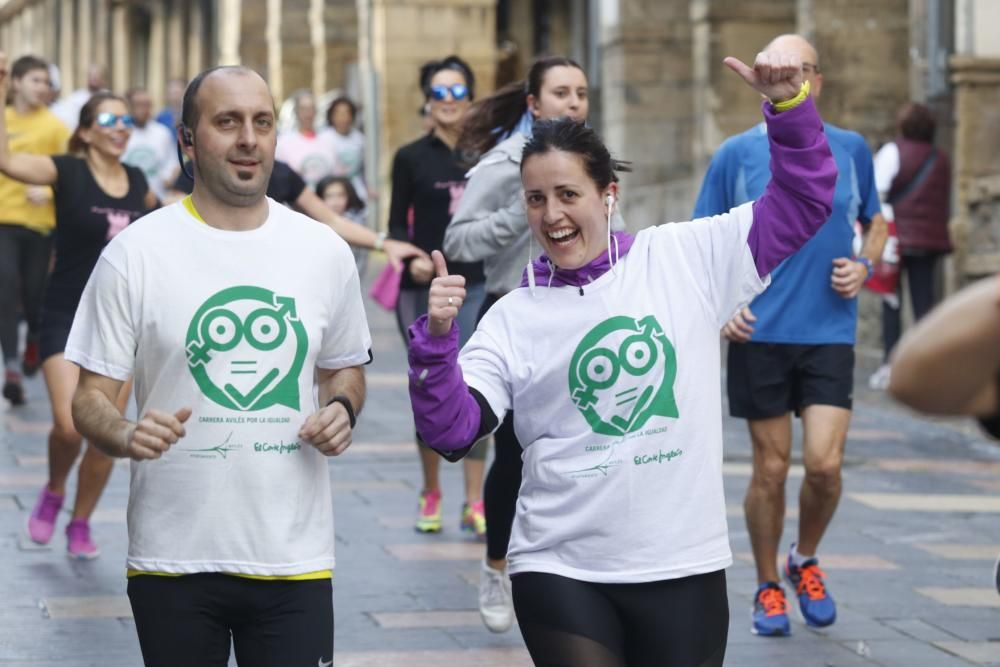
(496, 605)
(879, 380)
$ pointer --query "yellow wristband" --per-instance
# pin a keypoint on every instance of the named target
(794, 102)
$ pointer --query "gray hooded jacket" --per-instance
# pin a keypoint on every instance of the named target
(490, 224)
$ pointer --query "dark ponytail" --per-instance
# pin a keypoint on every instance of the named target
(88, 114)
(495, 116)
(570, 136)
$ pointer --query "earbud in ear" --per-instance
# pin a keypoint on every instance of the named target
(610, 199)
(186, 137)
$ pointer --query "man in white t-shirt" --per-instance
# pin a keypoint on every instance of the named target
(151, 147)
(246, 352)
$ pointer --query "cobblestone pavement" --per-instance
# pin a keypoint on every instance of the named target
(909, 556)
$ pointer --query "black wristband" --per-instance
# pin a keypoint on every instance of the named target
(346, 402)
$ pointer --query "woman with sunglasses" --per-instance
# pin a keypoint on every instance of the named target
(427, 181)
(96, 196)
(490, 226)
(608, 356)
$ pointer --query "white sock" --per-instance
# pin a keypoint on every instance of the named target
(797, 558)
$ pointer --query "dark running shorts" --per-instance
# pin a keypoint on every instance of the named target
(771, 379)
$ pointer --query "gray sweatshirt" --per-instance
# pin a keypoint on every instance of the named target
(490, 224)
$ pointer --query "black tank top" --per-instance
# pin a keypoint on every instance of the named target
(86, 219)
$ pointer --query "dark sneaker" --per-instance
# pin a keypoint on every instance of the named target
(815, 602)
(32, 359)
(13, 391)
(770, 611)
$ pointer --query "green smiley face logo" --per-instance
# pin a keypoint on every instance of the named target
(245, 348)
(622, 373)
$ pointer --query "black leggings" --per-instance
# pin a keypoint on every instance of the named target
(24, 262)
(672, 623)
(920, 279)
(189, 620)
(503, 481)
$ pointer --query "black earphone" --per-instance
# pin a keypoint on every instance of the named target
(186, 139)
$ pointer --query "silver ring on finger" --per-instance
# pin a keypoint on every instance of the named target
(451, 301)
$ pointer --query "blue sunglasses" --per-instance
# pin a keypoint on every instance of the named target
(458, 92)
(108, 119)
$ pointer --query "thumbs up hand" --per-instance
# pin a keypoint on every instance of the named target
(447, 294)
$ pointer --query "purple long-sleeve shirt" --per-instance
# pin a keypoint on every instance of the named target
(795, 204)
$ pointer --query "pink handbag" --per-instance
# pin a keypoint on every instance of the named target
(385, 289)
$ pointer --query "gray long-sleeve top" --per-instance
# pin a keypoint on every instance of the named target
(490, 224)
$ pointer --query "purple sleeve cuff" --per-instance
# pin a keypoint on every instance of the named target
(799, 197)
(446, 414)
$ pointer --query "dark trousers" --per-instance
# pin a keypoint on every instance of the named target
(24, 265)
(920, 271)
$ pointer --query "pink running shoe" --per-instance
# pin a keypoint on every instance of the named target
(42, 522)
(80, 546)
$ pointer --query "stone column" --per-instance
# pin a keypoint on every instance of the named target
(406, 34)
(317, 40)
(864, 54)
(67, 60)
(121, 49)
(976, 221)
(195, 39)
(723, 104)
(85, 41)
(274, 74)
(102, 38)
(176, 66)
(156, 79)
(229, 32)
(647, 105)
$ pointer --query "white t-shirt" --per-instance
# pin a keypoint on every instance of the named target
(310, 157)
(348, 157)
(152, 149)
(232, 325)
(617, 402)
(886, 169)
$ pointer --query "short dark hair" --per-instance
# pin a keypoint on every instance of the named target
(354, 202)
(428, 70)
(26, 64)
(916, 122)
(571, 136)
(189, 107)
(343, 99)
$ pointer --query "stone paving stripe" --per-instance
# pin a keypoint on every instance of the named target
(736, 510)
(987, 552)
(24, 543)
(400, 448)
(988, 485)
(437, 551)
(929, 502)
(874, 435)
(397, 521)
(512, 657)
(918, 629)
(22, 479)
(746, 469)
(386, 380)
(428, 619)
(344, 486)
(109, 515)
(9, 503)
(837, 561)
(30, 460)
(962, 597)
(17, 425)
(976, 652)
(953, 466)
(99, 606)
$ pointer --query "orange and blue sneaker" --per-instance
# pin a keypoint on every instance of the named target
(815, 602)
(474, 519)
(770, 611)
(429, 515)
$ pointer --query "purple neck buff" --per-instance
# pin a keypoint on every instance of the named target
(546, 273)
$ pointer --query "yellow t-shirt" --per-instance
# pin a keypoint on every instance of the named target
(42, 133)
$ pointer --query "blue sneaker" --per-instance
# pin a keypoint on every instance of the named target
(770, 611)
(816, 604)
